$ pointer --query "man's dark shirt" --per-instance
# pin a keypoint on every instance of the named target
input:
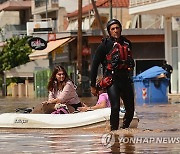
(100, 55)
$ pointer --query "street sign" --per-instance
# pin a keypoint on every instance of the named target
(37, 43)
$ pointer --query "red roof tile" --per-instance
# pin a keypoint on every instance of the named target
(101, 4)
(117, 3)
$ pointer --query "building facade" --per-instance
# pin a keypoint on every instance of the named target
(170, 11)
(13, 16)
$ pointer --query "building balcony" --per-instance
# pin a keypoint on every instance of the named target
(14, 5)
(160, 7)
(41, 6)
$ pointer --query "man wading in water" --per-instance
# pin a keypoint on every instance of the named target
(114, 53)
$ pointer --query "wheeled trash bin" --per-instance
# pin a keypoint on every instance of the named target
(151, 86)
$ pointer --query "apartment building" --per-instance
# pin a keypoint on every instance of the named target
(55, 10)
(13, 16)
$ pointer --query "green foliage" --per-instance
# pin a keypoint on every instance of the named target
(1, 33)
(14, 53)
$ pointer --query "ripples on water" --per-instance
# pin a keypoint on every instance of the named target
(158, 121)
(50, 143)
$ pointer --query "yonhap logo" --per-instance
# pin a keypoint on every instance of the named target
(108, 140)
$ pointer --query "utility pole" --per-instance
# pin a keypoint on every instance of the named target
(79, 45)
(98, 18)
(110, 7)
(46, 9)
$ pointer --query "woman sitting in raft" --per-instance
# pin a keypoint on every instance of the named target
(62, 94)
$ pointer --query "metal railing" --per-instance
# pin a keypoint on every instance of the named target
(40, 3)
(54, 1)
(135, 3)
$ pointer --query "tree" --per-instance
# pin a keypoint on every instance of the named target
(1, 34)
(14, 53)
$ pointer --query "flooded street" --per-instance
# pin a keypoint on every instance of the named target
(158, 132)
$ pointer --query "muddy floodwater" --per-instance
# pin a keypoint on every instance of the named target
(158, 132)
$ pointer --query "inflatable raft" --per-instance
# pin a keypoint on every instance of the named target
(80, 119)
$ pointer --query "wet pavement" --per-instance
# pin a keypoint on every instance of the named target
(158, 132)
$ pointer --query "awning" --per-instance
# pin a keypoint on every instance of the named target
(43, 54)
(27, 70)
(73, 25)
(86, 23)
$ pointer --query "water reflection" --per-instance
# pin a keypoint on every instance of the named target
(77, 143)
(51, 143)
(115, 148)
(127, 146)
(10, 104)
(118, 143)
(155, 121)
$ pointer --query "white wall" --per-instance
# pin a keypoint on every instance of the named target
(72, 5)
(9, 18)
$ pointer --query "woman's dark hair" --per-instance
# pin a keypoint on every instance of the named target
(53, 83)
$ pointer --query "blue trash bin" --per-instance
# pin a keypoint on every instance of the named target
(150, 88)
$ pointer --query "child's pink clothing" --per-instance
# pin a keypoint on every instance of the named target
(104, 97)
